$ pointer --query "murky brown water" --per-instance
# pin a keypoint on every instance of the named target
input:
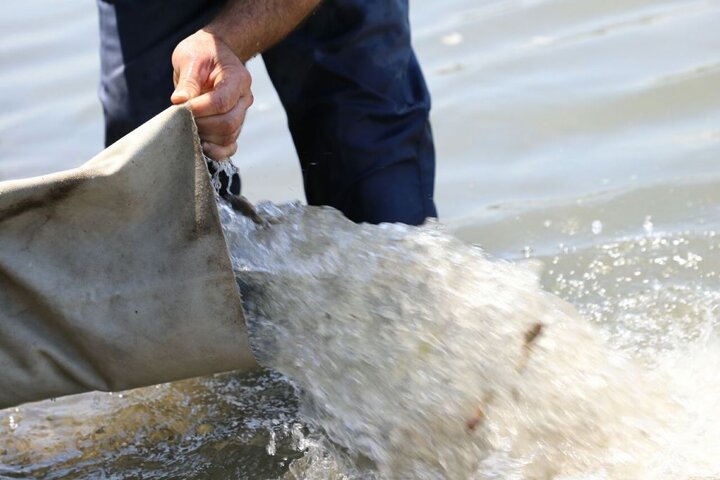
(582, 133)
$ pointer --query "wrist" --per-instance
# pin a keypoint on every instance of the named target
(228, 37)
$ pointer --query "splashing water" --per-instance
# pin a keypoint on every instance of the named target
(420, 356)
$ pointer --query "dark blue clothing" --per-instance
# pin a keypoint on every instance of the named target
(355, 97)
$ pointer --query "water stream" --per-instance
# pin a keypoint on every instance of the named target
(402, 352)
(432, 360)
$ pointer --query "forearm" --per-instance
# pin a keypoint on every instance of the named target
(250, 27)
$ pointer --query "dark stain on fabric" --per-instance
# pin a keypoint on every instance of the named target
(53, 194)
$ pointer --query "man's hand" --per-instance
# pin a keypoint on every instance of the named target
(217, 85)
(209, 69)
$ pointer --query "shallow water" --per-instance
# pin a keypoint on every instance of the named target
(583, 134)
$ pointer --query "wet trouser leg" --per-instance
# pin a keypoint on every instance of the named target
(356, 100)
(358, 108)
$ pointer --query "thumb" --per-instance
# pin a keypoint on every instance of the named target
(187, 86)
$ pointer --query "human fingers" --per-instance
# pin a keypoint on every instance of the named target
(224, 129)
(190, 74)
(219, 152)
(230, 86)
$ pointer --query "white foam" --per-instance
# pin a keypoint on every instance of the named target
(416, 351)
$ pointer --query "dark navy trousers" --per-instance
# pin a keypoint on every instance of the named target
(356, 101)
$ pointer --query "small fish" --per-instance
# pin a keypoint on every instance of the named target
(479, 416)
(529, 341)
(228, 184)
(472, 423)
(243, 205)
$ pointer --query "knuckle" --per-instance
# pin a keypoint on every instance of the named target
(181, 57)
(178, 56)
(189, 83)
(227, 126)
(245, 79)
(221, 103)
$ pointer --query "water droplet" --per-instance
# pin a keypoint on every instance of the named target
(272, 445)
(11, 422)
(648, 225)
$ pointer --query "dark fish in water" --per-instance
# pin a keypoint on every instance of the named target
(243, 205)
(226, 181)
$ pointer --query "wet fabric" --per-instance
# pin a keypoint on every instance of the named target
(116, 274)
(356, 100)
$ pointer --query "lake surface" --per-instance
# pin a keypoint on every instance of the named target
(585, 134)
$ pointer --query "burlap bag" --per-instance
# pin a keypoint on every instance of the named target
(116, 274)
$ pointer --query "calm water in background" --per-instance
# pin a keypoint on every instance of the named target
(536, 103)
(583, 133)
